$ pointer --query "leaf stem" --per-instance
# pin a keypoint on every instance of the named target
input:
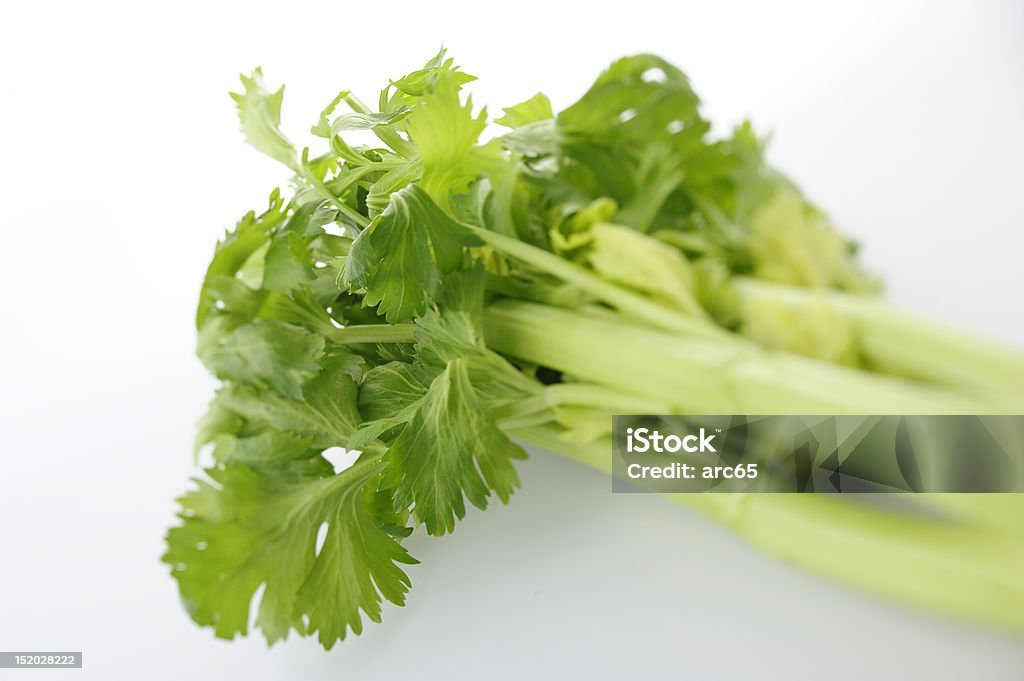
(322, 189)
(626, 302)
(386, 133)
(374, 333)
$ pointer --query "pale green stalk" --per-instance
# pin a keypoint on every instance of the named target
(704, 376)
(895, 341)
(960, 570)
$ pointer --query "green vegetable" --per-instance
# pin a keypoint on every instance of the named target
(429, 300)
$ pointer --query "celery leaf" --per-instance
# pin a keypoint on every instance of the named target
(400, 258)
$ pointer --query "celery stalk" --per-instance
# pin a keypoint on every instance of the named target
(897, 342)
(960, 570)
(704, 376)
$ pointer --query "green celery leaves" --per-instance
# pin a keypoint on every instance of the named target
(257, 525)
(260, 114)
(399, 260)
(452, 448)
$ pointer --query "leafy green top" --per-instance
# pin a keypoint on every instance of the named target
(350, 315)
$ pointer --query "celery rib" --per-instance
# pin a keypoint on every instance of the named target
(698, 375)
(954, 569)
(901, 343)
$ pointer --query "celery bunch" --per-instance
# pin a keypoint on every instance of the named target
(431, 298)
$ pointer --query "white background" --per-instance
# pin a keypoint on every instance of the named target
(121, 164)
